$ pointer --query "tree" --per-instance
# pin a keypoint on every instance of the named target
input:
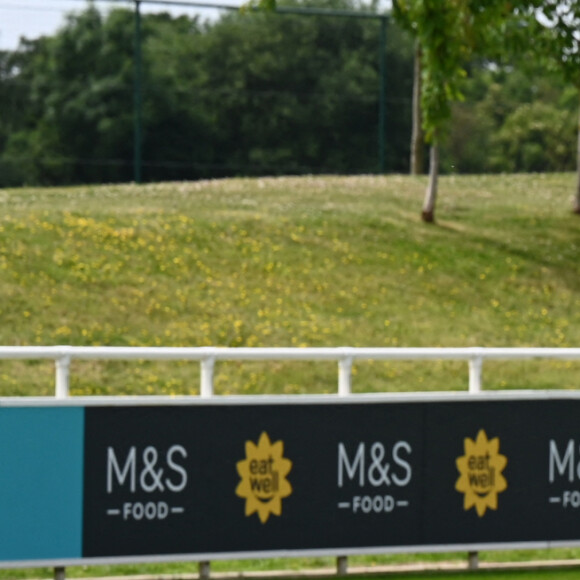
(449, 34)
(508, 111)
(75, 98)
(12, 116)
(443, 31)
(300, 94)
(78, 120)
(546, 31)
(553, 26)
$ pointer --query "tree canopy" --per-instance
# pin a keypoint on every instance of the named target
(260, 93)
(248, 94)
(452, 33)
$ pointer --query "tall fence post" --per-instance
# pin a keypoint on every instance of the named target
(382, 93)
(206, 392)
(61, 391)
(344, 390)
(475, 374)
(137, 96)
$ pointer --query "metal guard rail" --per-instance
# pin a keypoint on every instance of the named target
(345, 356)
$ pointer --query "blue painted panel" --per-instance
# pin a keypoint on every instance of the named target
(41, 483)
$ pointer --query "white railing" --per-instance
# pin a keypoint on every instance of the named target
(345, 356)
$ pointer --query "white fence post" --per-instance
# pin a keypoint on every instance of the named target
(206, 380)
(62, 365)
(344, 390)
(345, 376)
(61, 391)
(206, 392)
(475, 372)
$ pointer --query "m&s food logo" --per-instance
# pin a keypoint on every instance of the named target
(263, 477)
(481, 476)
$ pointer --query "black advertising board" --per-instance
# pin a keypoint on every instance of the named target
(220, 479)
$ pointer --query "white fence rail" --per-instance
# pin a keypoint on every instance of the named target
(345, 356)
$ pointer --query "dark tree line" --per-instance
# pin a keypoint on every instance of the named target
(249, 94)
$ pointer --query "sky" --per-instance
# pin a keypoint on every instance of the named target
(34, 18)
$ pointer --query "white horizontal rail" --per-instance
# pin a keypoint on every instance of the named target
(207, 356)
(290, 353)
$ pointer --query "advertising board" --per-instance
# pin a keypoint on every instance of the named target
(84, 481)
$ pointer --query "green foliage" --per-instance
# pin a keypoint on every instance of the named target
(512, 121)
(251, 93)
(548, 30)
(257, 93)
(449, 34)
(77, 90)
(537, 137)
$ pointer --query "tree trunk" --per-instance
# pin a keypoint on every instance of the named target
(577, 196)
(428, 213)
(417, 139)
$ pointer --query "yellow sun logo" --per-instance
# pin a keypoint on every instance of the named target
(481, 478)
(263, 475)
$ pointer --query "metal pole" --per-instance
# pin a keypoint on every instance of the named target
(344, 390)
(61, 391)
(204, 570)
(137, 95)
(206, 392)
(472, 560)
(475, 371)
(382, 93)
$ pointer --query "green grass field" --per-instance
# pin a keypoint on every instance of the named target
(571, 573)
(313, 261)
(487, 575)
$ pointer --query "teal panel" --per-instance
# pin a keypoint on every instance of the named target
(41, 480)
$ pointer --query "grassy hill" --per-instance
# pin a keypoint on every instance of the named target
(314, 261)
